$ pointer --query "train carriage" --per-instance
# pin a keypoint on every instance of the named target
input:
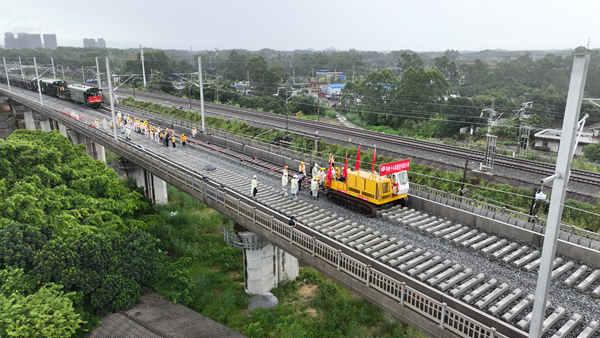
(54, 87)
(84, 94)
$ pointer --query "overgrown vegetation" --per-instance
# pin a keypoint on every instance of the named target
(69, 227)
(505, 195)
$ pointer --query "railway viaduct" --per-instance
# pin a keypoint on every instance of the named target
(406, 298)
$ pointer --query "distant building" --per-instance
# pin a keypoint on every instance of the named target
(93, 43)
(549, 139)
(332, 90)
(29, 41)
(10, 41)
(50, 41)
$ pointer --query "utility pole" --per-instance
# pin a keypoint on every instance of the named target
(568, 142)
(112, 99)
(143, 66)
(201, 94)
(37, 77)
(318, 105)
(62, 69)
(53, 69)
(216, 77)
(464, 178)
(98, 75)
(6, 72)
(82, 74)
(21, 68)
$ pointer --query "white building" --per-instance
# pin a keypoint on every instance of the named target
(549, 139)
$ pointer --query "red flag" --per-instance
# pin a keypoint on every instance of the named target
(357, 163)
(374, 159)
(345, 171)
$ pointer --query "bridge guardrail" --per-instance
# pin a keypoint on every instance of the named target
(303, 237)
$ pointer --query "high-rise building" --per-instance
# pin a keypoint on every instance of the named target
(50, 41)
(26, 40)
(9, 41)
(31, 41)
(89, 43)
(93, 43)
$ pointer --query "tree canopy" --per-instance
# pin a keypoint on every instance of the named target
(70, 226)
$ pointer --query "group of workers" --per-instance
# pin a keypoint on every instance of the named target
(165, 136)
(291, 187)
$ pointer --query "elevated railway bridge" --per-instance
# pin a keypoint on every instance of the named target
(423, 269)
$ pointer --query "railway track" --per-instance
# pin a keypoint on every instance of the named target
(483, 298)
(345, 133)
(506, 302)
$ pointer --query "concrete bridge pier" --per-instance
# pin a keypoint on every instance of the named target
(45, 125)
(7, 118)
(265, 265)
(155, 188)
(29, 121)
(95, 150)
(62, 129)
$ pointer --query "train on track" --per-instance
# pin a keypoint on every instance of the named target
(90, 96)
(368, 191)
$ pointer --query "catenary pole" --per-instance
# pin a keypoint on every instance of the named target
(568, 141)
(21, 69)
(143, 66)
(53, 69)
(6, 72)
(37, 77)
(98, 75)
(201, 94)
(112, 99)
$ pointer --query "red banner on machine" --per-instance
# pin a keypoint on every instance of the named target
(393, 167)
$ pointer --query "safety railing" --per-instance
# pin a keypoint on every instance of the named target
(225, 200)
(569, 233)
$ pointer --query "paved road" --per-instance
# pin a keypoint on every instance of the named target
(155, 316)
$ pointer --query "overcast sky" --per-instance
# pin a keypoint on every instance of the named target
(422, 25)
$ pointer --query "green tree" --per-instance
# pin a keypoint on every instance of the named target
(49, 312)
(592, 152)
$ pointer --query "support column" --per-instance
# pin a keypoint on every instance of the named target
(258, 261)
(62, 129)
(159, 189)
(29, 121)
(45, 125)
(99, 152)
(155, 189)
(265, 265)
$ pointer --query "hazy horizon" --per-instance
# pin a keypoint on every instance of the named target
(383, 25)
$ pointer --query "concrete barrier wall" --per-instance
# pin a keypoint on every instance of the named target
(587, 256)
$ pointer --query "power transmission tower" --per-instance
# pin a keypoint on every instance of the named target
(524, 129)
(490, 149)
